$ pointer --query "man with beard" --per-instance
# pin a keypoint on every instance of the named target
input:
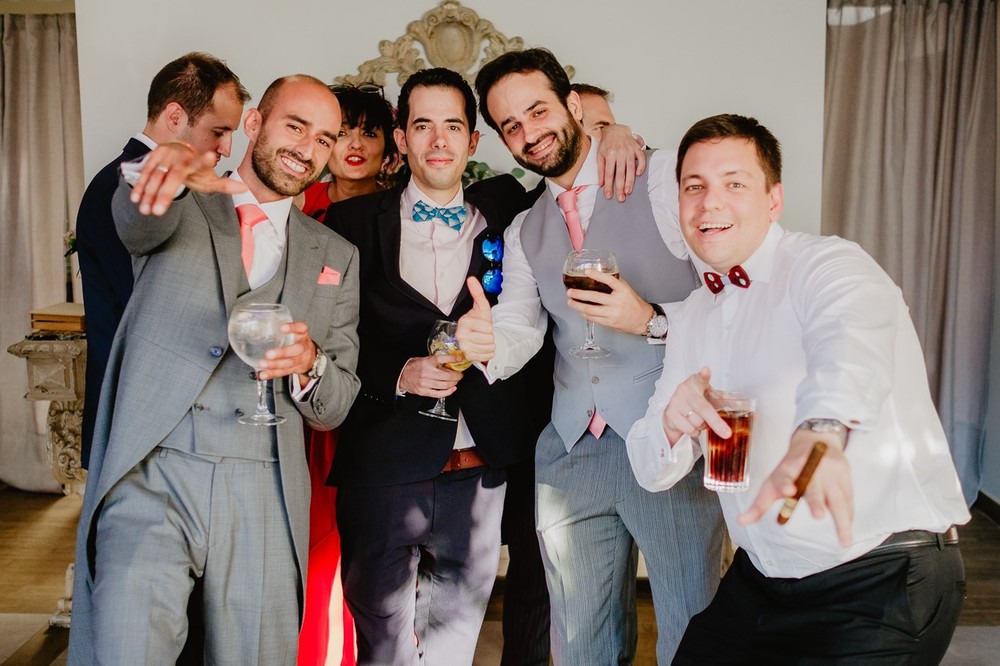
(590, 509)
(180, 495)
(195, 98)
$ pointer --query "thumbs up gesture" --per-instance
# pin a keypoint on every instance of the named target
(475, 327)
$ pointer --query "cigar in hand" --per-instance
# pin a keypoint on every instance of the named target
(802, 482)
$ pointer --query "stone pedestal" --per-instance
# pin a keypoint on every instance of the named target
(56, 365)
(56, 370)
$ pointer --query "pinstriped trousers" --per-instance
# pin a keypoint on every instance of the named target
(175, 518)
(590, 510)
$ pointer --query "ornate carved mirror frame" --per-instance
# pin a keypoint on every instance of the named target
(450, 35)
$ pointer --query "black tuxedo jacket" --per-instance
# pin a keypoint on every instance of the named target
(106, 271)
(385, 440)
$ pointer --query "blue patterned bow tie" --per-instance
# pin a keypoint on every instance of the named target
(453, 216)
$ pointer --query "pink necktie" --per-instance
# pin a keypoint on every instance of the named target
(597, 425)
(567, 201)
(250, 215)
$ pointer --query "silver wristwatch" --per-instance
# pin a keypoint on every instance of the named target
(657, 326)
(825, 425)
(319, 365)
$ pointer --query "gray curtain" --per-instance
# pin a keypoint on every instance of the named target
(909, 172)
(41, 183)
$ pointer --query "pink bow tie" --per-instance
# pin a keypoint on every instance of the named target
(737, 276)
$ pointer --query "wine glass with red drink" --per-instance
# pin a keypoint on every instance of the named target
(575, 277)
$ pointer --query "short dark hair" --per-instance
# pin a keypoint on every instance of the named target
(271, 94)
(520, 62)
(435, 77)
(731, 126)
(191, 81)
(588, 89)
(368, 109)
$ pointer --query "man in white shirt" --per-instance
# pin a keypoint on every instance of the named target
(819, 334)
(589, 508)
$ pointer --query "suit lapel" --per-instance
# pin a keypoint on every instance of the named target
(224, 227)
(304, 263)
(390, 237)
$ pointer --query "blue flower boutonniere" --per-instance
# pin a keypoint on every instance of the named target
(492, 275)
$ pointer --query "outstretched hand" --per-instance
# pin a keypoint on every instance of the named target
(690, 412)
(475, 327)
(172, 165)
(830, 488)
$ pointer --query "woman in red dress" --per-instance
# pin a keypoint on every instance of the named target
(363, 155)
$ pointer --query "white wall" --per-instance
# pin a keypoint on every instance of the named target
(668, 62)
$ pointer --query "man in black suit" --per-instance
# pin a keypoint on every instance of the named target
(196, 99)
(420, 498)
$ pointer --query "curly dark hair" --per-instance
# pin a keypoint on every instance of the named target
(520, 62)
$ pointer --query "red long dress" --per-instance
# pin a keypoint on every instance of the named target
(327, 636)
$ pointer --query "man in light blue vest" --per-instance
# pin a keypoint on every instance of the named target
(590, 510)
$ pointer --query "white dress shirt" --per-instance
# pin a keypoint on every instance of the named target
(434, 260)
(268, 236)
(821, 332)
(519, 321)
(433, 257)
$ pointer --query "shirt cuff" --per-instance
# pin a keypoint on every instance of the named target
(130, 172)
(302, 393)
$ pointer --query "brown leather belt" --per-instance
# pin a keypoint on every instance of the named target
(917, 539)
(463, 459)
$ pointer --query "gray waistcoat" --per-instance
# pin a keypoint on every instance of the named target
(619, 385)
(210, 427)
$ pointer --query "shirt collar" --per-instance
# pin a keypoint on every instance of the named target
(760, 265)
(142, 138)
(276, 211)
(412, 194)
(588, 172)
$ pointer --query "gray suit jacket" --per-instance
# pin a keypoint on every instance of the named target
(188, 271)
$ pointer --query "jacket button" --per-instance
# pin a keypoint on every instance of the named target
(253, 375)
(215, 351)
(239, 411)
(590, 413)
(595, 380)
(198, 407)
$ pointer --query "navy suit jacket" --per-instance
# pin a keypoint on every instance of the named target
(106, 271)
(385, 440)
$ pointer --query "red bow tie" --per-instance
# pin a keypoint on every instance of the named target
(737, 276)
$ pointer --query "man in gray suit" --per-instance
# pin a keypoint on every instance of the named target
(180, 496)
(589, 507)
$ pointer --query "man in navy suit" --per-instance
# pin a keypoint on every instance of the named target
(419, 498)
(196, 99)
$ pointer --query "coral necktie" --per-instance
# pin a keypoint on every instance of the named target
(250, 216)
(567, 201)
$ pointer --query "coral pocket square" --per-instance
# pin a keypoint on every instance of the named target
(329, 276)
